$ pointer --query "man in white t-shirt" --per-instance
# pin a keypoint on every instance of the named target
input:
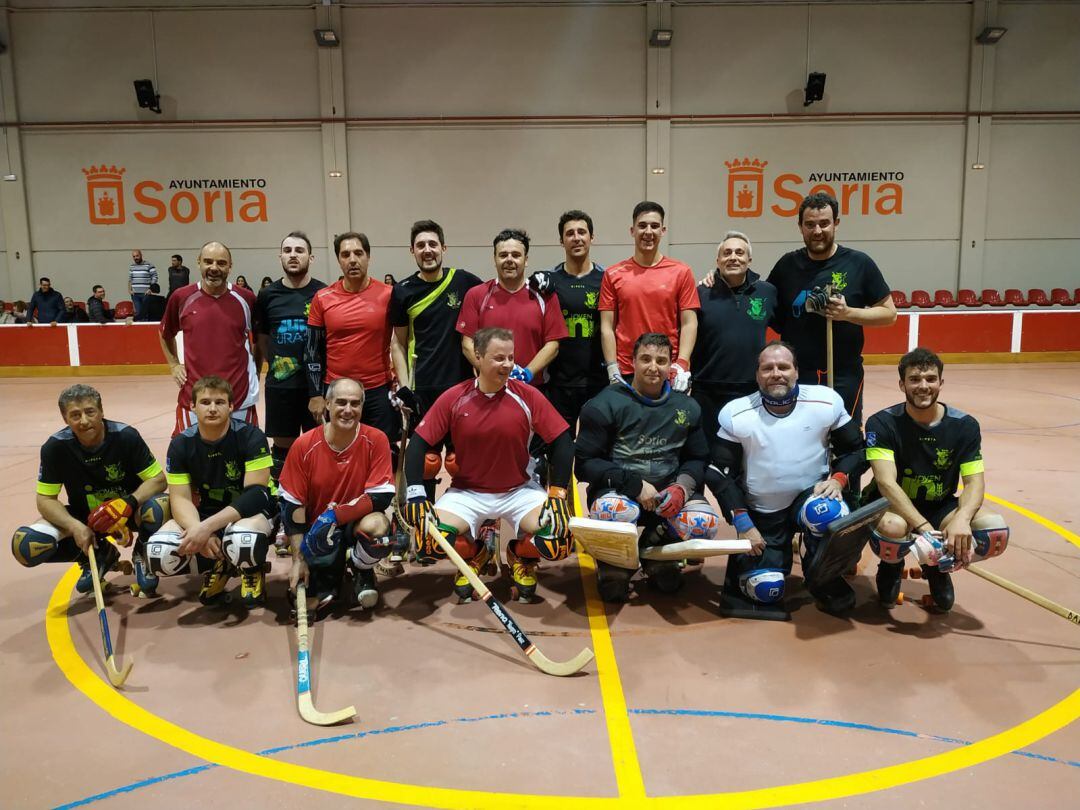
(772, 455)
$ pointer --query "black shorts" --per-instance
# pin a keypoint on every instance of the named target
(287, 414)
(848, 386)
(937, 512)
(569, 401)
(380, 414)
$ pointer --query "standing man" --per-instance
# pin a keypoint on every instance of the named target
(773, 455)
(919, 451)
(179, 276)
(281, 317)
(577, 373)
(46, 304)
(219, 491)
(216, 320)
(349, 336)
(736, 310)
(153, 305)
(113, 483)
(140, 276)
(507, 302)
(335, 490)
(491, 420)
(95, 306)
(648, 292)
(851, 294)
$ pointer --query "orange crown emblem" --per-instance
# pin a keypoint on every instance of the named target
(746, 165)
(104, 172)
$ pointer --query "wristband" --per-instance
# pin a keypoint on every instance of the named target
(681, 363)
(741, 521)
(416, 491)
(840, 478)
(557, 492)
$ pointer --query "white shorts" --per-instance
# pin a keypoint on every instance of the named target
(476, 507)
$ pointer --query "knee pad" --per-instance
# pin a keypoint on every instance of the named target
(888, 549)
(613, 506)
(550, 547)
(524, 547)
(990, 536)
(763, 585)
(245, 548)
(817, 513)
(697, 521)
(367, 551)
(432, 465)
(33, 545)
(154, 514)
(467, 547)
(162, 557)
(451, 464)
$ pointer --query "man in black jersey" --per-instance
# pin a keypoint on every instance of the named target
(113, 482)
(219, 489)
(426, 346)
(860, 297)
(577, 374)
(642, 454)
(919, 451)
(281, 329)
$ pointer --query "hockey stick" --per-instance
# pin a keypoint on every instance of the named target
(541, 661)
(116, 676)
(829, 375)
(1031, 596)
(303, 671)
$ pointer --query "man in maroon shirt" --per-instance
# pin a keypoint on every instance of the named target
(490, 420)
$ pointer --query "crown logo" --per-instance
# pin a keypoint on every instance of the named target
(103, 172)
(746, 165)
(105, 194)
(745, 186)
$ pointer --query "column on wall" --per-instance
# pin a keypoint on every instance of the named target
(18, 280)
(335, 159)
(658, 107)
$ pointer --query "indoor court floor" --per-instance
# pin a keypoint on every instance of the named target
(680, 708)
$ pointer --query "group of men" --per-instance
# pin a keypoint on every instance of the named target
(655, 389)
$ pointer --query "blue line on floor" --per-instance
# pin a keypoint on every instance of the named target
(775, 718)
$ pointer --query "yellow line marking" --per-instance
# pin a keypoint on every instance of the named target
(115, 703)
(1046, 524)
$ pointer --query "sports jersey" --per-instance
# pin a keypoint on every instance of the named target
(281, 313)
(852, 274)
(580, 362)
(316, 475)
(782, 455)
(215, 470)
(357, 331)
(929, 460)
(91, 477)
(533, 320)
(646, 299)
(216, 339)
(625, 439)
(491, 432)
(731, 331)
(430, 309)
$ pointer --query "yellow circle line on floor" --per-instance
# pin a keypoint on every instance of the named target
(88, 682)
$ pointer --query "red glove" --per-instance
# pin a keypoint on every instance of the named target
(671, 501)
(112, 515)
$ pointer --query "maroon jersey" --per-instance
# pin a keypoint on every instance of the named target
(491, 432)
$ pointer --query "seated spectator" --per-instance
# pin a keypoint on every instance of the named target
(20, 312)
(266, 282)
(46, 304)
(153, 305)
(95, 306)
(72, 314)
(5, 316)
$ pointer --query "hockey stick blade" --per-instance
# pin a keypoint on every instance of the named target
(303, 672)
(116, 676)
(541, 661)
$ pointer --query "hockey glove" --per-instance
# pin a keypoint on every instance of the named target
(112, 515)
(521, 373)
(556, 512)
(541, 282)
(680, 375)
(671, 501)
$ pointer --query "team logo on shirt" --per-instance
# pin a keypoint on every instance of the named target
(871, 438)
(682, 418)
(757, 309)
(232, 470)
(114, 472)
(592, 299)
(453, 300)
(839, 281)
(943, 460)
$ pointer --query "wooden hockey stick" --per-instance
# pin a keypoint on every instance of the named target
(116, 676)
(303, 671)
(541, 661)
(1031, 596)
(829, 374)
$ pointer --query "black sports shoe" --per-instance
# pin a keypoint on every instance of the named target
(888, 583)
(365, 595)
(941, 587)
(106, 555)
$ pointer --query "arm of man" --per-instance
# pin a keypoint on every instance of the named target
(693, 457)
(152, 486)
(957, 532)
(168, 348)
(315, 363)
(182, 505)
(884, 470)
(607, 336)
(849, 450)
(469, 351)
(592, 453)
(202, 538)
(399, 342)
(543, 358)
(262, 351)
(688, 328)
(882, 313)
(727, 460)
(50, 508)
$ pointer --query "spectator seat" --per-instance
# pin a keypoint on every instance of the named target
(1015, 297)
(899, 299)
(968, 298)
(944, 298)
(125, 309)
(1038, 297)
(1059, 295)
(921, 299)
(992, 297)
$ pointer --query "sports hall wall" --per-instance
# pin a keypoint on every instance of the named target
(496, 114)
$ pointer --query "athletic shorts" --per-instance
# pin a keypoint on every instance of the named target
(476, 507)
(380, 414)
(937, 512)
(287, 414)
(185, 418)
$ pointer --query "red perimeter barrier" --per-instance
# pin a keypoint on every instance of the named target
(33, 346)
(127, 345)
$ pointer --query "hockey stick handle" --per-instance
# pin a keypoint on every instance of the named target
(1031, 596)
(303, 676)
(830, 375)
(99, 600)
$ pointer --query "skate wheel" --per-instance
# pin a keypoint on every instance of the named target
(900, 598)
(915, 573)
(903, 573)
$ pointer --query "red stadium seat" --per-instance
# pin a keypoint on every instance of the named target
(1059, 295)
(899, 299)
(968, 298)
(125, 309)
(992, 297)
(1038, 297)
(1015, 297)
(944, 298)
(9, 306)
(81, 305)
(921, 298)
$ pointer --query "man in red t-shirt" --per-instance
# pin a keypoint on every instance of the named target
(648, 292)
(349, 336)
(490, 420)
(508, 302)
(215, 319)
(335, 488)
